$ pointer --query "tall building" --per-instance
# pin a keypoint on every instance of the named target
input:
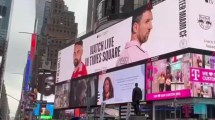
(5, 10)
(4, 107)
(43, 7)
(61, 22)
(56, 28)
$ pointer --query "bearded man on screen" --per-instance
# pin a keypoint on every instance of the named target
(141, 28)
(80, 67)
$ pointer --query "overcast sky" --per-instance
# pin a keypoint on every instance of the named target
(23, 16)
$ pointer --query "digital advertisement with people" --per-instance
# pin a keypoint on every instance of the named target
(84, 91)
(182, 76)
(62, 94)
(140, 34)
(145, 34)
(117, 87)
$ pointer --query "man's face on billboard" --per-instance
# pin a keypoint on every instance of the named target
(78, 51)
(143, 28)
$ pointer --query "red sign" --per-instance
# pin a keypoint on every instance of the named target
(33, 46)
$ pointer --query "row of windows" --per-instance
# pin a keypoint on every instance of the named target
(64, 18)
(62, 31)
(57, 11)
(52, 54)
(53, 64)
(58, 6)
(55, 41)
(61, 23)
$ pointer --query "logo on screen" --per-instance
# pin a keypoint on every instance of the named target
(195, 74)
(204, 22)
(209, 1)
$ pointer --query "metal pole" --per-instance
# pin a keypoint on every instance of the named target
(10, 96)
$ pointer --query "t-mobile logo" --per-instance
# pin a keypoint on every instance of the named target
(196, 74)
(209, 1)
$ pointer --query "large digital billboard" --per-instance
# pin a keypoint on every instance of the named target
(203, 76)
(94, 53)
(168, 78)
(84, 91)
(202, 24)
(147, 33)
(187, 75)
(62, 93)
(117, 87)
(46, 85)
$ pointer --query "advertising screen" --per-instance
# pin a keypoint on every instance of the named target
(27, 73)
(62, 93)
(117, 86)
(50, 108)
(116, 45)
(201, 24)
(46, 85)
(84, 91)
(168, 78)
(36, 110)
(203, 77)
(64, 114)
(95, 53)
(188, 75)
(48, 99)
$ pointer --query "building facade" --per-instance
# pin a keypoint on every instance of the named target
(61, 22)
(104, 13)
(55, 29)
(5, 8)
(4, 107)
(41, 13)
(5, 12)
(58, 29)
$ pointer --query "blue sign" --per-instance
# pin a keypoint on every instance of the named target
(200, 108)
(27, 73)
(36, 111)
(50, 108)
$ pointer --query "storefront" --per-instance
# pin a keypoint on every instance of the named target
(193, 108)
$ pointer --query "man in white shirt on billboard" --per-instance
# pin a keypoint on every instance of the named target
(141, 27)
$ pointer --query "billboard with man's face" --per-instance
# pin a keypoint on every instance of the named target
(147, 33)
(46, 85)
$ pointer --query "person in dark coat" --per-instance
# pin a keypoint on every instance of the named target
(136, 97)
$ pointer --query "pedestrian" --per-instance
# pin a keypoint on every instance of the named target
(136, 97)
